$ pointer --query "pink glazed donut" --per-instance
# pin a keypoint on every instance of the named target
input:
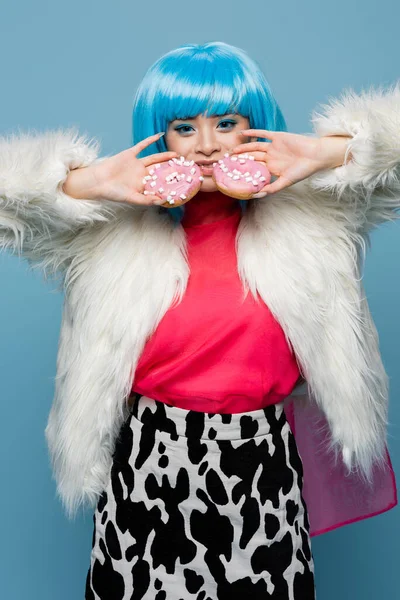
(175, 181)
(240, 175)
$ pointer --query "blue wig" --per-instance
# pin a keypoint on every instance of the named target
(211, 79)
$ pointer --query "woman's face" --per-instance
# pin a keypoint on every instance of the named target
(206, 139)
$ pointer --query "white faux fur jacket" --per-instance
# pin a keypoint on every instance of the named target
(122, 267)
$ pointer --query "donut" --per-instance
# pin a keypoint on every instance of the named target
(175, 181)
(240, 175)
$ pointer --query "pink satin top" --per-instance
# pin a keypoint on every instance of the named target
(215, 353)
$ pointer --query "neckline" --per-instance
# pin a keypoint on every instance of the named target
(205, 205)
(201, 225)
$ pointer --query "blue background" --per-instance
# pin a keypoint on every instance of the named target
(79, 63)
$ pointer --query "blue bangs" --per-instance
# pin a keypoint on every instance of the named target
(211, 79)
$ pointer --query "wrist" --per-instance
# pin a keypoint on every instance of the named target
(332, 151)
(81, 184)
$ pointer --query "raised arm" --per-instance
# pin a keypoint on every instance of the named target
(37, 218)
(369, 178)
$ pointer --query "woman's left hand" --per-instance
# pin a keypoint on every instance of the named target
(292, 157)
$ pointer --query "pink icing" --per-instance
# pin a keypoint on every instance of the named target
(176, 181)
(241, 174)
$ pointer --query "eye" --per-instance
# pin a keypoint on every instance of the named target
(183, 128)
(228, 122)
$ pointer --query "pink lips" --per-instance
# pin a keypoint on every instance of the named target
(207, 169)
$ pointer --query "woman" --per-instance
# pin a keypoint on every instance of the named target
(199, 482)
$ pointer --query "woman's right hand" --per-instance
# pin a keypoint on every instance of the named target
(118, 178)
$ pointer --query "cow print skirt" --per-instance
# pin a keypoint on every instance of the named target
(202, 506)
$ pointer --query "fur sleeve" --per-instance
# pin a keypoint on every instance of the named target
(369, 179)
(37, 219)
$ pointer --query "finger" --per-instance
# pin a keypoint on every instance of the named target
(153, 198)
(156, 158)
(262, 133)
(146, 142)
(248, 148)
(258, 156)
(144, 199)
(274, 187)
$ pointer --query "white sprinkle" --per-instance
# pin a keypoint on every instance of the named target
(182, 196)
(161, 190)
(251, 157)
(247, 173)
(230, 174)
(147, 177)
(255, 182)
(262, 179)
(173, 193)
(186, 163)
(201, 178)
(171, 201)
(151, 171)
(249, 178)
(182, 158)
(236, 177)
(191, 163)
(189, 179)
(214, 164)
(155, 177)
(153, 184)
(170, 162)
(193, 171)
(221, 162)
(242, 161)
(146, 192)
(144, 181)
(236, 172)
(169, 198)
(157, 166)
(257, 175)
(234, 158)
(226, 154)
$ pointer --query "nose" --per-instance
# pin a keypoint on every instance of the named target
(207, 142)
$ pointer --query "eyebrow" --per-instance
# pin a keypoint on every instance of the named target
(214, 117)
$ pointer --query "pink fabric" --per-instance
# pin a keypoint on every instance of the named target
(333, 498)
(213, 353)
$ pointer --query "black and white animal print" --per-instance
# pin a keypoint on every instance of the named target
(202, 506)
